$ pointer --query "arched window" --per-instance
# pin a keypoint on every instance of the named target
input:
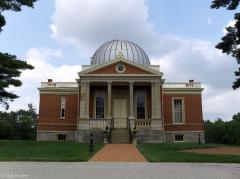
(141, 104)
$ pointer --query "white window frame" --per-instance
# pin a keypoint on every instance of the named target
(135, 103)
(183, 110)
(104, 97)
(63, 106)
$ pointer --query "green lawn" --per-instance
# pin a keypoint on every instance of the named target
(44, 151)
(172, 153)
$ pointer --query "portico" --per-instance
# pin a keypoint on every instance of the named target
(120, 104)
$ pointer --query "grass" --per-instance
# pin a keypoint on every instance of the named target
(45, 151)
(172, 153)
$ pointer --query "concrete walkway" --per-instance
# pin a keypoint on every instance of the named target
(118, 153)
(90, 170)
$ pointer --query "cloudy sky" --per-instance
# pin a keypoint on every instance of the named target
(57, 37)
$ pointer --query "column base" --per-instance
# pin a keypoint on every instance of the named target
(83, 124)
(131, 117)
(109, 117)
(132, 123)
(156, 124)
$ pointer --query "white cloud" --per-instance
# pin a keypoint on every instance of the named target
(231, 23)
(87, 24)
(202, 62)
(223, 103)
(41, 59)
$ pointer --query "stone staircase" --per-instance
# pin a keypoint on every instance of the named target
(120, 136)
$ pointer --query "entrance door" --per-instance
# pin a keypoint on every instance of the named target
(120, 113)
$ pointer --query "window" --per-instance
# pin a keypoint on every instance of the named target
(63, 105)
(120, 68)
(62, 137)
(140, 104)
(178, 138)
(99, 103)
(178, 110)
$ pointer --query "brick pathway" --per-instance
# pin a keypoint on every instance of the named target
(118, 153)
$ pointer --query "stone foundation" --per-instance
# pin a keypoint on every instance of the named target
(149, 136)
(53, 136)
(142, 136)
(84, 135)
(187, 136)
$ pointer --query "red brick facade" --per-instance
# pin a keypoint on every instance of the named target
(49, 113)
(193, 113)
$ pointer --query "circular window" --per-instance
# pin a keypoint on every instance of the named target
(120, 68)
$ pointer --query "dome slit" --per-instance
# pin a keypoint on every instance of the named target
(100, 55)
(137, 53)
(142, 55)
(132, 51)
(110, 51)
(126, 47)
(104, 54)
(116, 50)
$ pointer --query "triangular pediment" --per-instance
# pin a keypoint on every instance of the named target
(120, 66)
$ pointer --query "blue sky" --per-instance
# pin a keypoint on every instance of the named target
(187, 18)
(178, 35)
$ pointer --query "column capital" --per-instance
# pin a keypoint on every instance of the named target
(131, 83)
(83, 82)
(109, 83)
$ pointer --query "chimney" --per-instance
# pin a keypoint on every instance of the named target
(49, 80)
(191, 81)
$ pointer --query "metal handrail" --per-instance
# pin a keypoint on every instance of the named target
(130, 131)
(110, 131)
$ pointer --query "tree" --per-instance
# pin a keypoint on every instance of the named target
(10, 66)
(227, 132)
(230, 43)
(21, 124)
(236, 117)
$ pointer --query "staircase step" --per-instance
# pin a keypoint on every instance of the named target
(120, 136)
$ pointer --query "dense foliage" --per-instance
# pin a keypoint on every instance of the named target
(21, 124)
(230, 43)
(10, 66)
(221, 132)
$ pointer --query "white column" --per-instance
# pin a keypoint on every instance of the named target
(83, 111)
(83, 101)
(131, 116)
(157, 101)
(87, 99)
(156, 122)
(153, 100)
(109, 104)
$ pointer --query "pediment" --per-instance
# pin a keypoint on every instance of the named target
(124, 67)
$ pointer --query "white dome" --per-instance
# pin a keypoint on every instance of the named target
(109, 51)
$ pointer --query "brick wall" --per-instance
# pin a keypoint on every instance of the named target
(49, 113)
(111, 69)
(193, 113)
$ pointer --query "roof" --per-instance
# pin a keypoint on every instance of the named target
(111, 49)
